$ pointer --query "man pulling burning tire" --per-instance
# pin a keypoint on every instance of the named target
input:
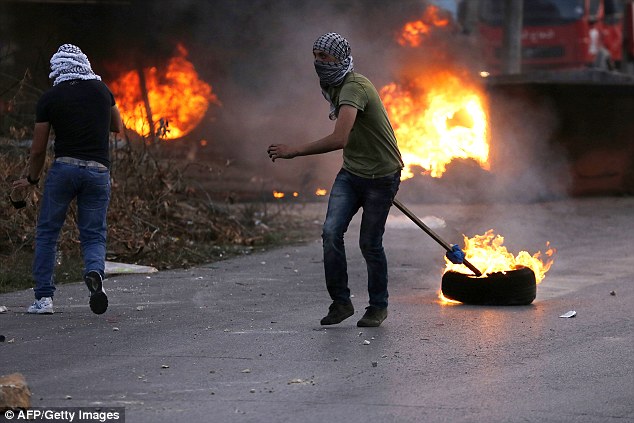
(368, 179)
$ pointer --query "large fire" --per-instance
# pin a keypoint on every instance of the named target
(437, 118)
(439, 114)
(175, 98)
(413, 33)
(488, 255)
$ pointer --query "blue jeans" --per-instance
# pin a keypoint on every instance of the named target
(349, 193)
(65, 182)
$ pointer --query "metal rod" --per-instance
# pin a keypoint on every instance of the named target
(432, 234)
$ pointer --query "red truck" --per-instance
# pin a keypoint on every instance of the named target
(563, 34)
(576, 75)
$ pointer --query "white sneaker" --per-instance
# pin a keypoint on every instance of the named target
(42, 306)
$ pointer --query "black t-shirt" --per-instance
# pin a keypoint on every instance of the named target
(79, 112)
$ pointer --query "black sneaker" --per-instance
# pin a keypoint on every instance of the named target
(337, 313)
(98, 297)
(373, 317)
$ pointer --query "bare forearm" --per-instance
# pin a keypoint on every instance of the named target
(37, 154)
(324, 145)
(335, 141)
(116, 124)
(36, 163)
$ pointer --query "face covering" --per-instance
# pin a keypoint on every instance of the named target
(332, 74)
(70, 63)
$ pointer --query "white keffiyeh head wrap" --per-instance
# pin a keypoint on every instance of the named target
(70, 63)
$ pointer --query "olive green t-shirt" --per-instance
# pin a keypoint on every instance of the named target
(372, 150)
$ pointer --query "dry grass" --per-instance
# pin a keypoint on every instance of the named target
(158, 216)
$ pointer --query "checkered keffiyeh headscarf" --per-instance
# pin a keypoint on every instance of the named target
(70, 63)
(332, 74)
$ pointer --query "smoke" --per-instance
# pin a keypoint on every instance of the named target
(269, 88)
(266, 81)
(257, 56)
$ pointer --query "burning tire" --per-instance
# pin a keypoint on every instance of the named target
(514, 287)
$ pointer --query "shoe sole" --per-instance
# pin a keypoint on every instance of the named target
(99, 302)
(334, 322)
(367, 324)
(41, 312)
(370, 323)
(98, 298)
(93, 284)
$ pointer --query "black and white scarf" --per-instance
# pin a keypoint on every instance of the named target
(332, 74)
(70, 63)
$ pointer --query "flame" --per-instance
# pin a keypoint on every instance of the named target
(414, 32)
(177, 98)
(488, 255)
(436, 118)
(446, 301)
(280, 194)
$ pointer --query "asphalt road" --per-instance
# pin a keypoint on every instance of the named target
(240, 340)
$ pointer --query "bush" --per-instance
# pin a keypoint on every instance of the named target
(160, 213)
(158, 216)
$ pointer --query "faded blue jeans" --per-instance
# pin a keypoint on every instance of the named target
(65, 182)
(350, 193)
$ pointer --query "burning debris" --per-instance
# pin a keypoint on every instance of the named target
(438, 124)
(415, 32)
(506, 279)
(488, 254)
(167, 103)
(278, 195)
(439, 114)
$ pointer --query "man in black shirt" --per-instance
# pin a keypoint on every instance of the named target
(82, 112)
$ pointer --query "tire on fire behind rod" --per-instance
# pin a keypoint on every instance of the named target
(513, 287)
